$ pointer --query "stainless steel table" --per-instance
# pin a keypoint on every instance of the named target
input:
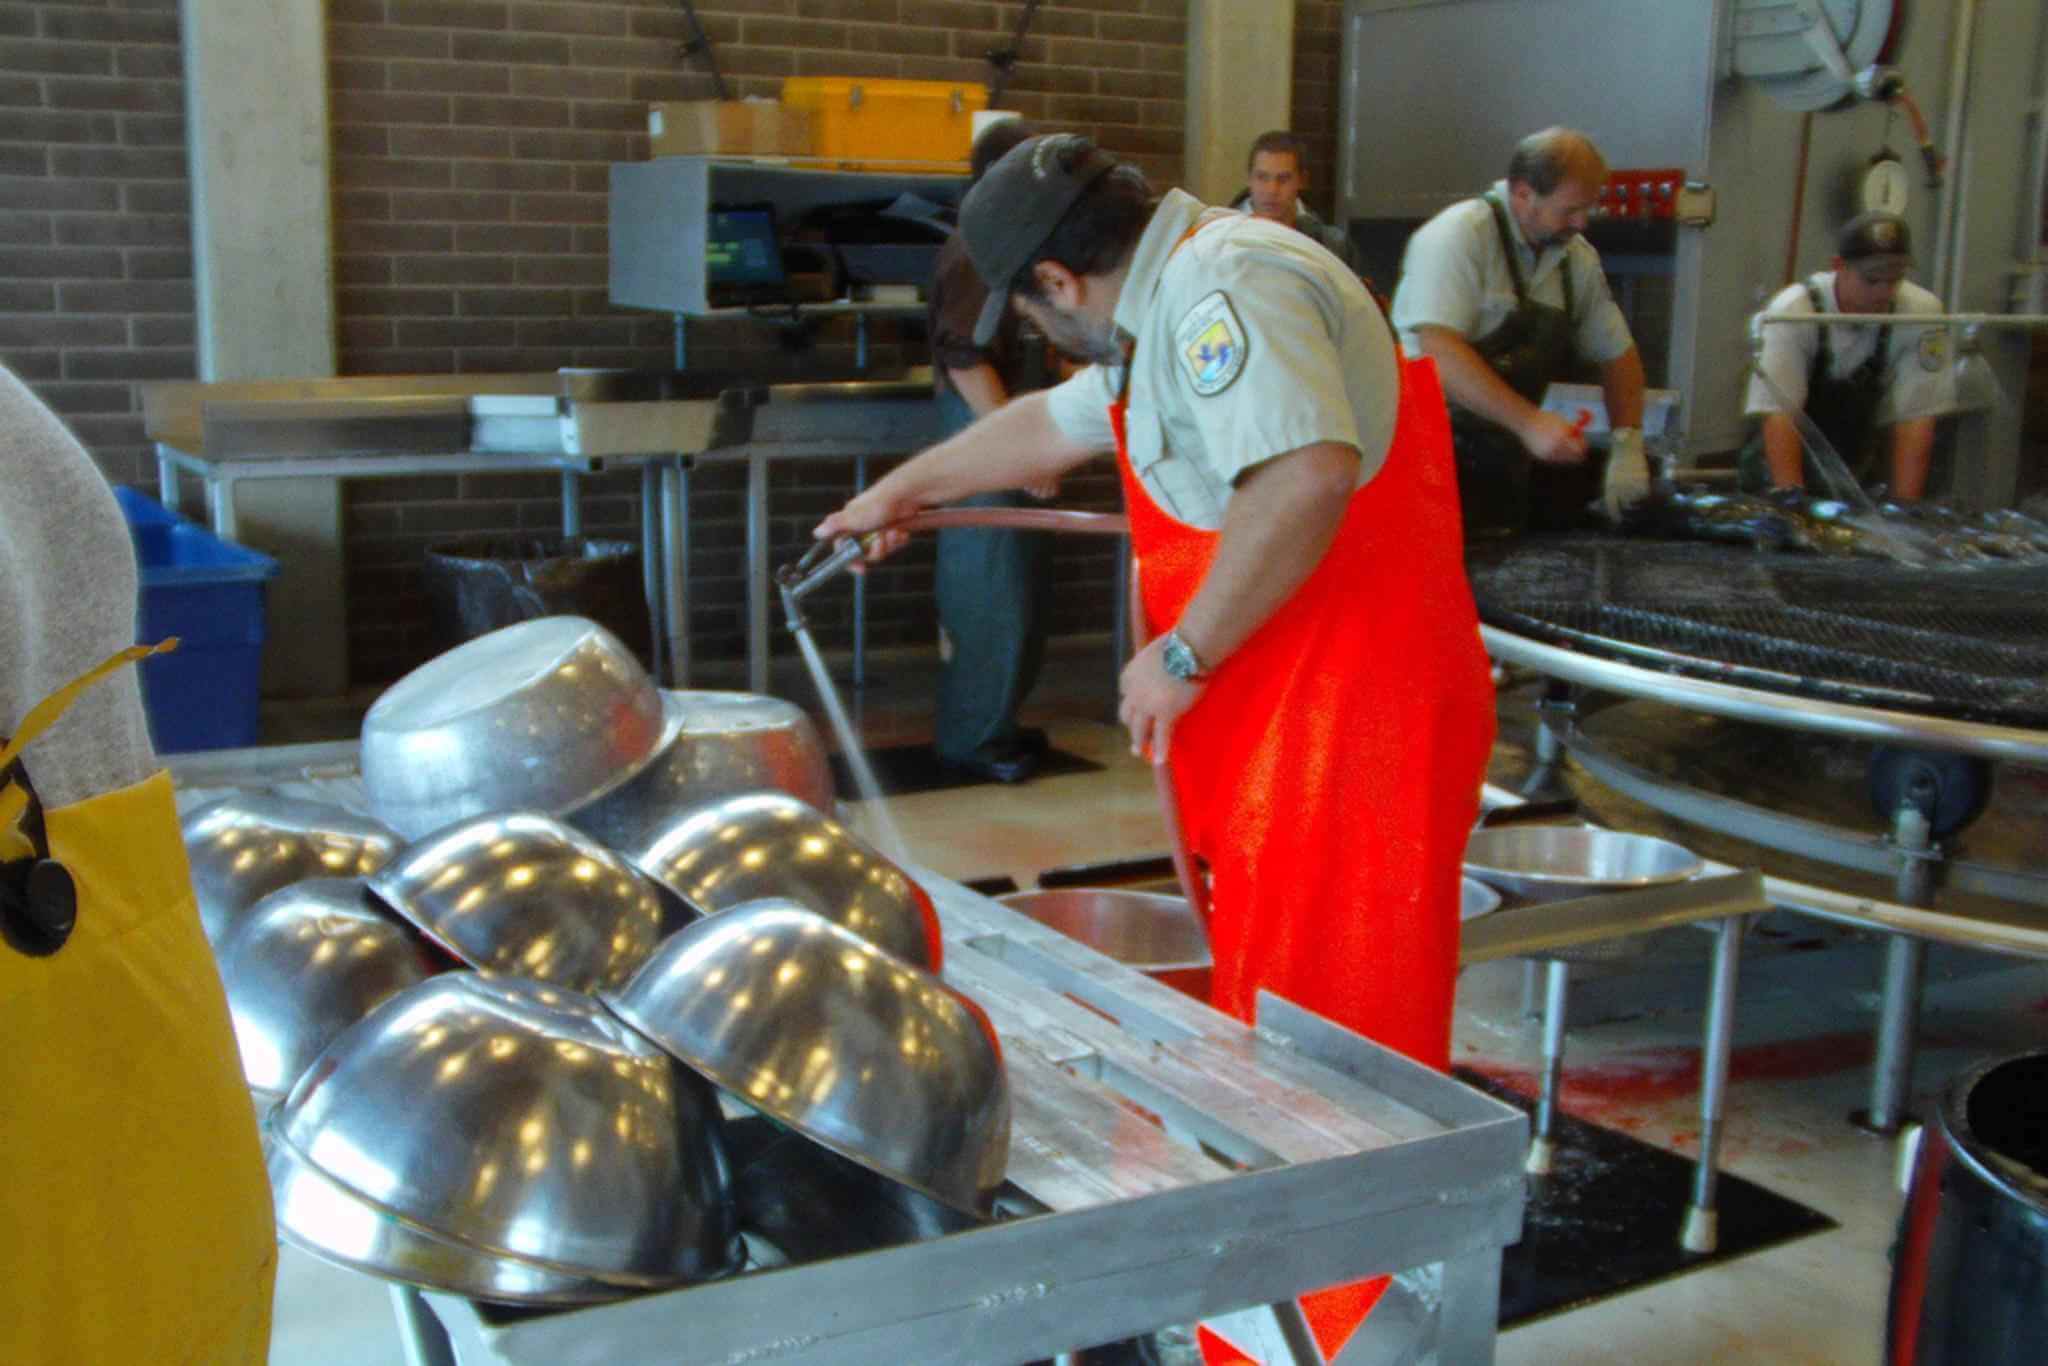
(1908, 853)
(573, 422)
(1167, 1165)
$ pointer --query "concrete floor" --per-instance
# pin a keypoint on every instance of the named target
(1801, 1062)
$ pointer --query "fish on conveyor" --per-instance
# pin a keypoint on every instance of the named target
(1961, 536)
(1691, 514)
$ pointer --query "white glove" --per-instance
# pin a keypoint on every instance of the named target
(1627, 480)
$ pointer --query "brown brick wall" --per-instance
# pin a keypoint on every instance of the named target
(471, 140)
(95, 221)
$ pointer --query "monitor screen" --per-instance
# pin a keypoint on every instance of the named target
(740, 249)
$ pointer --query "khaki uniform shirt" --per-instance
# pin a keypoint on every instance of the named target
(1453, 275)
(1251, 342)
(1920, 378)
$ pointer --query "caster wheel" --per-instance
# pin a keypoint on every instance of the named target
(1951, 790)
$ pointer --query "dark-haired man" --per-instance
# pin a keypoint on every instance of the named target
(1508, 298)
(1315, 674)
(1276, 172)
(1851, 379)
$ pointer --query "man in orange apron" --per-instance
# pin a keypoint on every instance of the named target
(1316, 679)
(135, 1221)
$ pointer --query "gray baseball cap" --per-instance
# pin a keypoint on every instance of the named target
(1014, 208)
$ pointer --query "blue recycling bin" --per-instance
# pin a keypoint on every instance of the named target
(211, 594)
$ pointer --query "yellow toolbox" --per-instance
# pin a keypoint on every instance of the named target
(888, 120)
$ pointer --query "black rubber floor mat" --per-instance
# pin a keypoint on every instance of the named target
(1607, 1219)
(906, 769)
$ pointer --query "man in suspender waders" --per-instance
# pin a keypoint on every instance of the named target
(1506, 296)
(1851, 379)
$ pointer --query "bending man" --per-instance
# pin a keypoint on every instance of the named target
(1851, 379)
(1508, 299)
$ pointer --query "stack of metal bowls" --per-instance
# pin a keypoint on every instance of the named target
(506, 1141)
(547, 716)
(739, 849)
(522, 894)
(814, 1026)
(245, 847)
(502, 1135)
(307, 962)
(713, 745)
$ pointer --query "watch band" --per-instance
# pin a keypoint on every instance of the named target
(1180, 658)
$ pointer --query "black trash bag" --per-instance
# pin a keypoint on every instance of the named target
(481, 583)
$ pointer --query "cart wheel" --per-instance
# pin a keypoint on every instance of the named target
(1951, 790)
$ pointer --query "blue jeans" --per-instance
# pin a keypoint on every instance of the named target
(994, 590)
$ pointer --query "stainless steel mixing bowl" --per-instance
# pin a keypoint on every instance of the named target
(307, 962)
(714, 744)
(522, 894)
(769, 844)
(522, 1121)
(814, 1026)
(320, 1216)
(1557, 862)
(546, 715)
(245, 847)
(1159, 935)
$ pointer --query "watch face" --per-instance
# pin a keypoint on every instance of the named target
(1885, 187)
(1178, 658)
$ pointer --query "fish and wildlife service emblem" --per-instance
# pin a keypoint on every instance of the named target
(1933, 348)
(1212, 344)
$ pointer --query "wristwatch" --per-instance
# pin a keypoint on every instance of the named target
(1180, 658)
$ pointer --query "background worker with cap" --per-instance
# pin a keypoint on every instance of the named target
(1851, 379)
(135, 1221)
(1315, 680)
(1276, 172)
(1508, 298)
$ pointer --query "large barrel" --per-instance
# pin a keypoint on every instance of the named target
(1970, 1268)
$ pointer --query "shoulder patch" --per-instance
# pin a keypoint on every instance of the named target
(1211, 343)
(1933, 348)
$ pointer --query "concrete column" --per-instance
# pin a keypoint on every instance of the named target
(1240, 83)
(263, 269)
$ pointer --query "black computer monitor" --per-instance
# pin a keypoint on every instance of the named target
(743, 256)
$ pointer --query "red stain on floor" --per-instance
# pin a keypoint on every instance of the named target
(1603, 1091)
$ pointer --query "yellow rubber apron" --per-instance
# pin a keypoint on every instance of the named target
(135, 1220)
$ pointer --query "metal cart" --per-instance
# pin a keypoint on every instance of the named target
(1167, 1165)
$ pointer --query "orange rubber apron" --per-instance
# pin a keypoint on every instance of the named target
(135, 1220)
(1330, 771)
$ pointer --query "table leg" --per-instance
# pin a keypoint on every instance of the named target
(220, 507)
(653, 568)
(1556, 983)
(572, 504)
(1905, 961)
(675, 556)
(421, 1337)
(1702, 1219)
(1553, 712)
(1468, 1315)
(166, 478)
